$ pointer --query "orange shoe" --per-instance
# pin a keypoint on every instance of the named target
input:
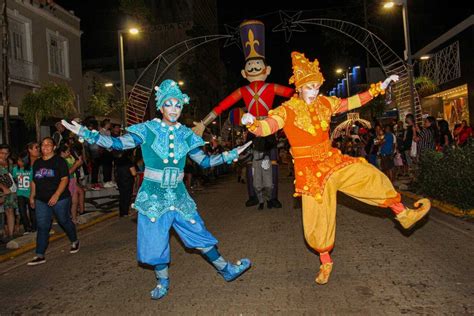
(409, 217)
(324, 273)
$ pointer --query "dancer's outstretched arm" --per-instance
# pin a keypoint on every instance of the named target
(274, 122)
(356, 101)
(207, 161)
(127, 141)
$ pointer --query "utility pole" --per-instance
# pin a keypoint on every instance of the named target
(366, 25)
(5, 76)
(406, 31)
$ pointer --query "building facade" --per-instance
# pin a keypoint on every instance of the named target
(174, 21)
(44, 46)
(449, 62)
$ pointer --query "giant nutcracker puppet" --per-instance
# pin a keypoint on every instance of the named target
(258, 96)
(321, 170)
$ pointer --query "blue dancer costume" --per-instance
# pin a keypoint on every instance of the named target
(162, 201)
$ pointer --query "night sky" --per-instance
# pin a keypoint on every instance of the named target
(428, 19)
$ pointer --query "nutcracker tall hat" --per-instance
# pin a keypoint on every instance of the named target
(304, 71)
(252, 34)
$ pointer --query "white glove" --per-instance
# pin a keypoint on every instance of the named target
(266, 164)
(389, 80)
(247, 119)
(240, 149)
(74, 127)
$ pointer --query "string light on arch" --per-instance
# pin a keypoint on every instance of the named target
(289, 24)
(234, 32)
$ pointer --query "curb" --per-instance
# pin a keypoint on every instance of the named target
(442, 206)
(54, 237)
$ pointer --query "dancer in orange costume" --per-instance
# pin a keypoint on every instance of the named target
(321, 170)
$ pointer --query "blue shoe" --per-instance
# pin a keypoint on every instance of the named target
(233, 271)
(161, 289)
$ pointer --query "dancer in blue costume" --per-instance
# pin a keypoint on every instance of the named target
(162, 201)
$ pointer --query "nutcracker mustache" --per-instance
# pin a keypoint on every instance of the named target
(254, 70)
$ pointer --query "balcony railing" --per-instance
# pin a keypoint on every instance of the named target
(23, 70)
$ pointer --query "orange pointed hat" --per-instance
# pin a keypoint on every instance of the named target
(304, 71)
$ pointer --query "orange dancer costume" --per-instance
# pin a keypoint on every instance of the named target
(321, 170)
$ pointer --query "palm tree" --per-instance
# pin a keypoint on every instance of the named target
(51, 100)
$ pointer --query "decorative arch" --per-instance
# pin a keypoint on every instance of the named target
(143, 87)
(387, 59)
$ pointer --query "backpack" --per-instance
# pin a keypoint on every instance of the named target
(7, 180)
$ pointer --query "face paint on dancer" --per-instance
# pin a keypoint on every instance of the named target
(309, 92)
(171, 111)
(256, 70)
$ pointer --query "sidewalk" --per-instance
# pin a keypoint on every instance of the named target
(403, 187)
(444, 207)
(100, 206)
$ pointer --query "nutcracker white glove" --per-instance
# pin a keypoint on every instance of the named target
(247, 119)
(389, 80)
(266, 164)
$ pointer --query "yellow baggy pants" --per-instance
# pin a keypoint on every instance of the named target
(361, 181)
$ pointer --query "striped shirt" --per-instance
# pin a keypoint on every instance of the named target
(427, 140)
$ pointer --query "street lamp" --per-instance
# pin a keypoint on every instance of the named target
(132, 31)
(346, 74)
(108, 84)
(408, 57)
(180, 82)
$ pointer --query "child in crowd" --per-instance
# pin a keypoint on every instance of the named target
(9, 188)
(72, 164)
(23, 174)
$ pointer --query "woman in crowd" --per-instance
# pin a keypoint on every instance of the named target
(445, 137)
(462, 132)
(49, 194)
(6, 179)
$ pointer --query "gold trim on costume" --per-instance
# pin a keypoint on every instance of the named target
(253, 53)
(376, 89)
(310, 117)
(304, 71)
(250, 22)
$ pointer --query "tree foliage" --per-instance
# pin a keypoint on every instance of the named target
(103, 102)
(425, 86)
(51, 100)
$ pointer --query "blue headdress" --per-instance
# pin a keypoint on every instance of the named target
(169, 89)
